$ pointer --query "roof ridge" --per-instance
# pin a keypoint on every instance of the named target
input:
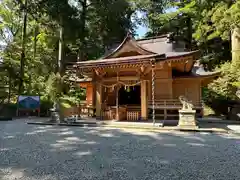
(126, 39)
(153, 37)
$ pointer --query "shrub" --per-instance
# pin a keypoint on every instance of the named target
(218, 93)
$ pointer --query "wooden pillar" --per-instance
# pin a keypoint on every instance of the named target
(200, 90)
(144, 101)
(170, 87)
(117, 104)
(94, 95)
(98, 100)
(93, 99)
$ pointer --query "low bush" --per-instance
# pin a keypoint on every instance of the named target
(220, 93)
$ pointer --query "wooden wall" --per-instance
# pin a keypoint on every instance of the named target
(163, 83)
(191, 88)
(89, 92)
(168, 88)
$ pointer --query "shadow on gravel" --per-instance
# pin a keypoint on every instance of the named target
(54, 152)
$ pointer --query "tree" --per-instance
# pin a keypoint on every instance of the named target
(10, 28)
(22, 60)
(194, 22)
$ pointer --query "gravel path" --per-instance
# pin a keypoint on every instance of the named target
(29, 152)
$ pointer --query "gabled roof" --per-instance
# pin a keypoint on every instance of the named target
(131, 42)
(152, 45)
(132, 51)
(162, 45)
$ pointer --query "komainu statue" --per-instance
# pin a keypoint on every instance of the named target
(187, 105)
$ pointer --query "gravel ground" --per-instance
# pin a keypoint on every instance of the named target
(29, 152)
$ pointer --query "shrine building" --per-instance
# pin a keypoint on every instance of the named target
(142, 80)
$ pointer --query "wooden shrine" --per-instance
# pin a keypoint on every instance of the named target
(143, 79)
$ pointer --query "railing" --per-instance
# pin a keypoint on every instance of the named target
(106, 115)
(83, 109)
(133, 115)
(86, 110)
(134, 108)
(130, 116)
(172, 104)
(168, 108)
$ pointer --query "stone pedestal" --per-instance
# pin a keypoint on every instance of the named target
(234, 113)
(187, 119)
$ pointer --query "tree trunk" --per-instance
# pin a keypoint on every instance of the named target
(60, 49)
(81, 50)
(22, 60)
(236, 46)
(35, 41)
(60, 68)
(9, 87)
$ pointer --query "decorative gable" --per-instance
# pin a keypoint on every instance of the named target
(129, 47)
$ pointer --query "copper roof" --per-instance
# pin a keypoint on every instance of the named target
(155, 48)
(198, 72)
(154, 45)
(161, 45)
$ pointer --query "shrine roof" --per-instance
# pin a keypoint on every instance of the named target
(122, 60)
(154, 45)
(197, 72)
(132, 51)
(162, 45)
(133, 42)
(200, 71)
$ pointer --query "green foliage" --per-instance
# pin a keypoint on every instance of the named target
(45, 106)
(89, 27)
(56, 87)
(205, 24)
(218, 93)
(78, 94)
(72, 99)
(223, 86)
(236, 84)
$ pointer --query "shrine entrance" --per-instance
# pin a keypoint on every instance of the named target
(130, 95)
(122, 102)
